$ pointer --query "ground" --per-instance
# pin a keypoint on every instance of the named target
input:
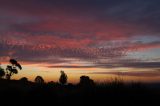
(17, 92)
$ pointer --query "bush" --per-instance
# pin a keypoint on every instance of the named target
(2, 73)
(39, 80)
(86, 81)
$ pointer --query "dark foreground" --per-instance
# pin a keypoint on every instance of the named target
(54, 94)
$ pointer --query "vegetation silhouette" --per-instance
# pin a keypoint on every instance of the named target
(86, 92)
(24, 79)
(85, 81)
(2, 73)
(81, 93)
(39, 80)
(15, 63)
(63, 78)
(10, 69)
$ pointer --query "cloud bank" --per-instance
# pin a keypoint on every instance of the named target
(100, 32)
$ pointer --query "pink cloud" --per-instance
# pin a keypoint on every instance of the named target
(74, 30)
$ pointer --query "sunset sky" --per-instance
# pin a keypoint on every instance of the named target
(99, 38)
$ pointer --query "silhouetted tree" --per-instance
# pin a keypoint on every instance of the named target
(12, 69)
(39, 80)
(15, 63)
(86, 81)
(24, 79)
(2, 73)
(63, 78)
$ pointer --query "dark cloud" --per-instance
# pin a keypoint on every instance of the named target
(136, 74)
(142, 65)
(71, 66)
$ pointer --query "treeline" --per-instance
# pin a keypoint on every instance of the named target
(86, 92)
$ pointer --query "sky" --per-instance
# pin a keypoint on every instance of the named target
(99, 38)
